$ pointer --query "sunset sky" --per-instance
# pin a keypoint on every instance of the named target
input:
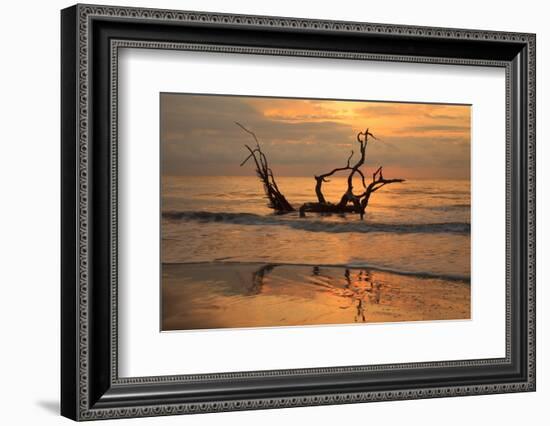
(307, 137)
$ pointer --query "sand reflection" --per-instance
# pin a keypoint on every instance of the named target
(225, 295)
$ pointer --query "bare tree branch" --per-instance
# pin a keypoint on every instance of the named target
(276, 200)
(249, 132)
(349, 201)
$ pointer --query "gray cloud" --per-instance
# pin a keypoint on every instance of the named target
(200, 132)
(199, 137)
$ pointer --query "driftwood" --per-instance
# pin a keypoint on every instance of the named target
(350, 202)
(276, 200)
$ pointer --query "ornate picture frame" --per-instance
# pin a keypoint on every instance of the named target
(91, 38)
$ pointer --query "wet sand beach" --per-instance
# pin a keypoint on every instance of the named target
(214, 295)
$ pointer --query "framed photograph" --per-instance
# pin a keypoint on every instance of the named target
(263, 212)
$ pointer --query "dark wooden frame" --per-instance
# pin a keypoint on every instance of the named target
(90, 386)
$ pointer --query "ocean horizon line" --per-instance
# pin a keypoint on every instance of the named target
(252, 175)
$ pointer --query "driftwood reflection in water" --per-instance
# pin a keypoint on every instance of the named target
(258, 279)
(235, 295)
(359, 287)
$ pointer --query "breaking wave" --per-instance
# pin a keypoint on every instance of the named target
(314, 225)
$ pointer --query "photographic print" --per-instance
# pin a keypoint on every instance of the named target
(298, 212)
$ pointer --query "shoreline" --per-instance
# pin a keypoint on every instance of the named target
(213, 295)
(420, 274)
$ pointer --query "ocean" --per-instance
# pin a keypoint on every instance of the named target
(230, 261)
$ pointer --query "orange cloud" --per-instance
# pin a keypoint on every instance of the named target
(385, 118)
(301, 135)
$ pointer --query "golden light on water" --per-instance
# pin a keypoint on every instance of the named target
(235, 296)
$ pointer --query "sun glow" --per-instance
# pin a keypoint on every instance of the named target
(306, 136)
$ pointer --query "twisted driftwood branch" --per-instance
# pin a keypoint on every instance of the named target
(276, 200)
(348, 203)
